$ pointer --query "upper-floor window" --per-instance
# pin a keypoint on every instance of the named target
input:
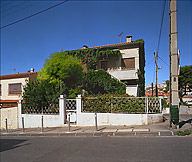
(128, 63)
(104, 64)
(15, 89)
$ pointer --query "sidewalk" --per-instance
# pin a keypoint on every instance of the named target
(158, 129)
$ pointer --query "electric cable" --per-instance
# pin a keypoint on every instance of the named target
(163, 61)
(162, 18)
(33, 14)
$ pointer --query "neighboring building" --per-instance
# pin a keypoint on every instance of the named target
(11, 87)
(161, 87)
(187, 99)
(126, 67)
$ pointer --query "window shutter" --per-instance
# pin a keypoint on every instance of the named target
(128, 63)
(15, 88)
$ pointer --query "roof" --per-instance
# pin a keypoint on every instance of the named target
(19, 75)
(187, 96)
(115, 45)
(160, 93)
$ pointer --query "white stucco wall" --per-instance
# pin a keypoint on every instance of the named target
(132, 90)
(34, 121)
(11, 115)
(5, 86)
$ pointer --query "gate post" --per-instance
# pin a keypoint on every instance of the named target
(79, 104)
(19, 111)
(62, 108)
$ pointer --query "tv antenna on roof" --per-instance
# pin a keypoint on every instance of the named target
(120, 36)
(13, 70)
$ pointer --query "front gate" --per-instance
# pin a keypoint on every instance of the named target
(71, 108)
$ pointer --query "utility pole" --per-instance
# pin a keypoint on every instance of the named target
(156, 68)
(152, 88)
(173, 60)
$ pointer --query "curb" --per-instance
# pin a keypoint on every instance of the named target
(95, 134)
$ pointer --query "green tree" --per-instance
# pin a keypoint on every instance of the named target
(40, 94)
(185, 79)
(62, 67)
(101, 82)
(167, 86)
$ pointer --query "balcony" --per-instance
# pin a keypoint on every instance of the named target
(122, 73)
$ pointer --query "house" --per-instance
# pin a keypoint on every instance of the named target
(129, 67)
(11, 87)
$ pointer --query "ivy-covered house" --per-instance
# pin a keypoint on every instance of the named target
(124, 61)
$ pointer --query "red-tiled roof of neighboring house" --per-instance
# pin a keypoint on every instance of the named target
(187, 96)
(161, 93)
(19, 75)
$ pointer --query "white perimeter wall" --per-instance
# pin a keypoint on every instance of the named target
(35, 120)
(88, 119)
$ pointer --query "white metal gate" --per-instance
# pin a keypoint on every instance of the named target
(71, 108)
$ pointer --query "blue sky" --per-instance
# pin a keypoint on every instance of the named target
(76, 23)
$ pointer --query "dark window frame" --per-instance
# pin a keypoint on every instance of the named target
(103, 64)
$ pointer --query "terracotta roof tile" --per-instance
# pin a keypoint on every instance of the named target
(20, 75)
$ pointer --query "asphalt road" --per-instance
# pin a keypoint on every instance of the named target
(96, 149)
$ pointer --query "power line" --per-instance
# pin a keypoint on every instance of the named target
(161, 26)
(163, 61)
(33, 14)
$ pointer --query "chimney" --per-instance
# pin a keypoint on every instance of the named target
(85, 46)
(32, 69)
(129, 38)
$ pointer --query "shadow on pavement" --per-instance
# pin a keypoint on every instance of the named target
(8, 144)
(182, 123)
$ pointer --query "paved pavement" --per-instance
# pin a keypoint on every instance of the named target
(157, 129)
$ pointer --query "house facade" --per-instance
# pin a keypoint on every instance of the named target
(11, 87)
(129, 67)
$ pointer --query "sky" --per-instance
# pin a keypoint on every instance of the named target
(69, 26)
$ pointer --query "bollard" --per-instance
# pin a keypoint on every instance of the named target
(96, 121)
(23, 129)
(6, 126)
(69, 123)
(41, 123)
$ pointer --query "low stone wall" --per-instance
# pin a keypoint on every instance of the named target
(11, 115)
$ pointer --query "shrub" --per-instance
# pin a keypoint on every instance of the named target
(101, 82)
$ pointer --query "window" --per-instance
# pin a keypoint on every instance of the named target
(128, 63)
(0, 89)
(104, 64)
(15, 89)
